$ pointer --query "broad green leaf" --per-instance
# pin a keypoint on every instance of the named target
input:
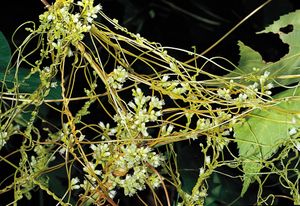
(225, 191)
(11, 77)
(27, 85)
(264, 131)
(5, 52)
(287, 65)
(188, 162)
(57, 184)
(249, 59)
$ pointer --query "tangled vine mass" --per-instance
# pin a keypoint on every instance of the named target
(121, 103)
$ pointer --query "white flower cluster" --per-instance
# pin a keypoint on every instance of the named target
(167, 130)
(133, 159)
(224, 93)
(204, 124)
(117, 77)
(62, 26)
(101, 152)
(6, 133)
(248, 95)
(3, 138)
(261, 85)
(89, 12)
(121, 167)
(42, 159)
(74, 183)
(196, 198)
(175, 86)
(91, 171)
(221, 117)
(145, 109)
(67, 137)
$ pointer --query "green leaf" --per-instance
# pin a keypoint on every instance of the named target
(225, 191)
(249, 59)
(27, 85)
(9, 76)
(58, 183)
(264, 131)
(5, 52)
(188, 161)
(287, 65)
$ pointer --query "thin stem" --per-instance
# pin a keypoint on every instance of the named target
(230, 31)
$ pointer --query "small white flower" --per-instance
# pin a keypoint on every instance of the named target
(101, 124)
(3, 135)
(2, 142)
(70, 53)
(74, 184)
(207, 159)
(154, 181)
(89, 19)
(253, 86)
(242, 97)
(80, 3)
(298, 146)
(270, 86)
(53, 84)
(156, 103)
(46, 69)
(173, 66)
(226, 133)
(117, 77)
(292, 131)
(112, 131)
(132, 105)
(112, 193)
(76, 17)
(170, 129)
(201, 171)
(50, 17)
(97, 8)
(81, 137)
(268, 93)
(203, 124)
(62, 151)
(224, 93)
(165, 78)
(179, 90)
(266, 74)
(144, 132)
(156, 160)
(264, 77)
(57, 44)
(93, 147)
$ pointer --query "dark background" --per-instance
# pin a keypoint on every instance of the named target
(178, 23)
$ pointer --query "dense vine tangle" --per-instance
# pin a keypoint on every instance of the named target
(131, 148)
